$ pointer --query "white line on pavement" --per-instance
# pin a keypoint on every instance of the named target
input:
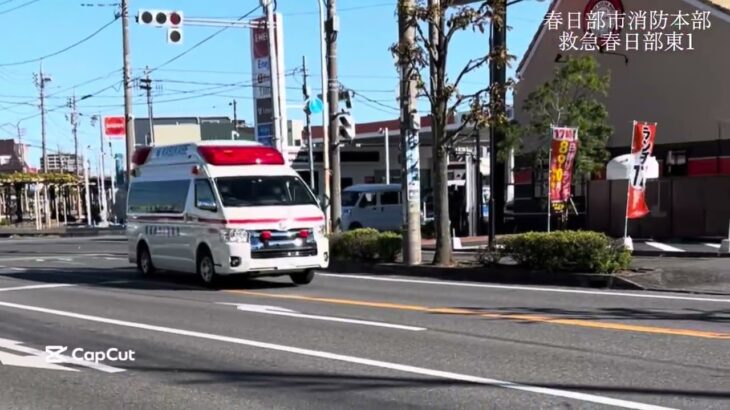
(349, 359)
(54, 258)
(277, 311)
(527, 288)
(29, 287)
(713, 245)
(664, 246)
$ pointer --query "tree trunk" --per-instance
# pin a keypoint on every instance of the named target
(442, 224)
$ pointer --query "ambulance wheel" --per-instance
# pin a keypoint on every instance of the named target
(302, 278)
(144, 260)
(206, 267)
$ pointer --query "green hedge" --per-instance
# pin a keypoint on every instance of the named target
(567, 251)
(366, 245)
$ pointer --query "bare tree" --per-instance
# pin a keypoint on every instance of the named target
(437, 22)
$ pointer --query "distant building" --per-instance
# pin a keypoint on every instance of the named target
(12, 157)
(63, 163)
(176, 130)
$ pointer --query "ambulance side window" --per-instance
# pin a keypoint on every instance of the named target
(204, 198)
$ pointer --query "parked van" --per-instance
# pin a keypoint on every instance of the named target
(223, 208)
(376, 206)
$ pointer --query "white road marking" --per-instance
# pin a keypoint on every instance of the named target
(13, 345)
(527, 288)
(54, 258)
(278, 311)
(664, 246)
(349, 359)
(29, 287)
(713, 245)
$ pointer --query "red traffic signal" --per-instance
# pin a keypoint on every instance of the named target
(175, 18)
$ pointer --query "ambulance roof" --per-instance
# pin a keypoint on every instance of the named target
(215, 153)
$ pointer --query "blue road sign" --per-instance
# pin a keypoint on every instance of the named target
(315, 105)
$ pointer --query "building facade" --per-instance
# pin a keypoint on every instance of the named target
(682, 87)
(67, 163)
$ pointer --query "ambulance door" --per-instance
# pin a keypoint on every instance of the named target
(202, 215)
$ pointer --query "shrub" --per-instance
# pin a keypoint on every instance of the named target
(366, 245)
(389, 246)
(567, 251)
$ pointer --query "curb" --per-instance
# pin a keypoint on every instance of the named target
(505, 275)
(664, 254)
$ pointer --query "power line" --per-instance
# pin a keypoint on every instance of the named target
(18, 7)
(83, 40)
(203, 41)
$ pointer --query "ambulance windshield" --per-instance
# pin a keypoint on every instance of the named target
(264, 191)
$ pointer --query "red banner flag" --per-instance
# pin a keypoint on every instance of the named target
(642, 145)
(563, 150)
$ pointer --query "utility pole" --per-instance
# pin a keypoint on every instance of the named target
(333, 89)
(129, 126)
(235, 115)
(73, 118)
(410, 124)
(325, 115)
(40, 82)
(310, 145)
(147, 86)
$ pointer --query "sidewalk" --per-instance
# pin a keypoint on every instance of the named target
(708, 275)
(642, 247)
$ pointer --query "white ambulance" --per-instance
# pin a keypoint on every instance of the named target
(223, 208)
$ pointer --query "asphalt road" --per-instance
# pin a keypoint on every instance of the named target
(344, 341)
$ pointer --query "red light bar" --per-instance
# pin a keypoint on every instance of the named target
(140, 155)
(304, 233)
(265, 235)
(223, 155)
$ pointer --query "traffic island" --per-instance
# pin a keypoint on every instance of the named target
(474, 272)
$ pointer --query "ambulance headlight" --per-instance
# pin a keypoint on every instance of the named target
(234, 235)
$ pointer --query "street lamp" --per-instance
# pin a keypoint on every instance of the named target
(103, 210)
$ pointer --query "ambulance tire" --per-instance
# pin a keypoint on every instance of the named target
(144, 260)
(302, 278)
(206, 267)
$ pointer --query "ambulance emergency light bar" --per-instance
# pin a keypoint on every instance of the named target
(223, 155)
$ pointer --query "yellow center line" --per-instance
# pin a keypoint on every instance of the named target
(494, 315)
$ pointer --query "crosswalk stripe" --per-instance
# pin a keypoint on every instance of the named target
(664, 247)
(713, 245)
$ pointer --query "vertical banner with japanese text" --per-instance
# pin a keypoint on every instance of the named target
(563, 149)
(642, 145)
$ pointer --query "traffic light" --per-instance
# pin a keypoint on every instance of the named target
(172, 19)
(346, 126)
(160, 18)
(174, 35)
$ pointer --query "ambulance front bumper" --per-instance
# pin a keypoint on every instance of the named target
(240, 258)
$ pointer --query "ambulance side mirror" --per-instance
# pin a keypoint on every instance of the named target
(207, 206)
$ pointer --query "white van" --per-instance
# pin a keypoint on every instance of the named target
(376, 206)
(223, 208)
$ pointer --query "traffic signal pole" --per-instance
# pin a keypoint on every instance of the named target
(128, 113)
